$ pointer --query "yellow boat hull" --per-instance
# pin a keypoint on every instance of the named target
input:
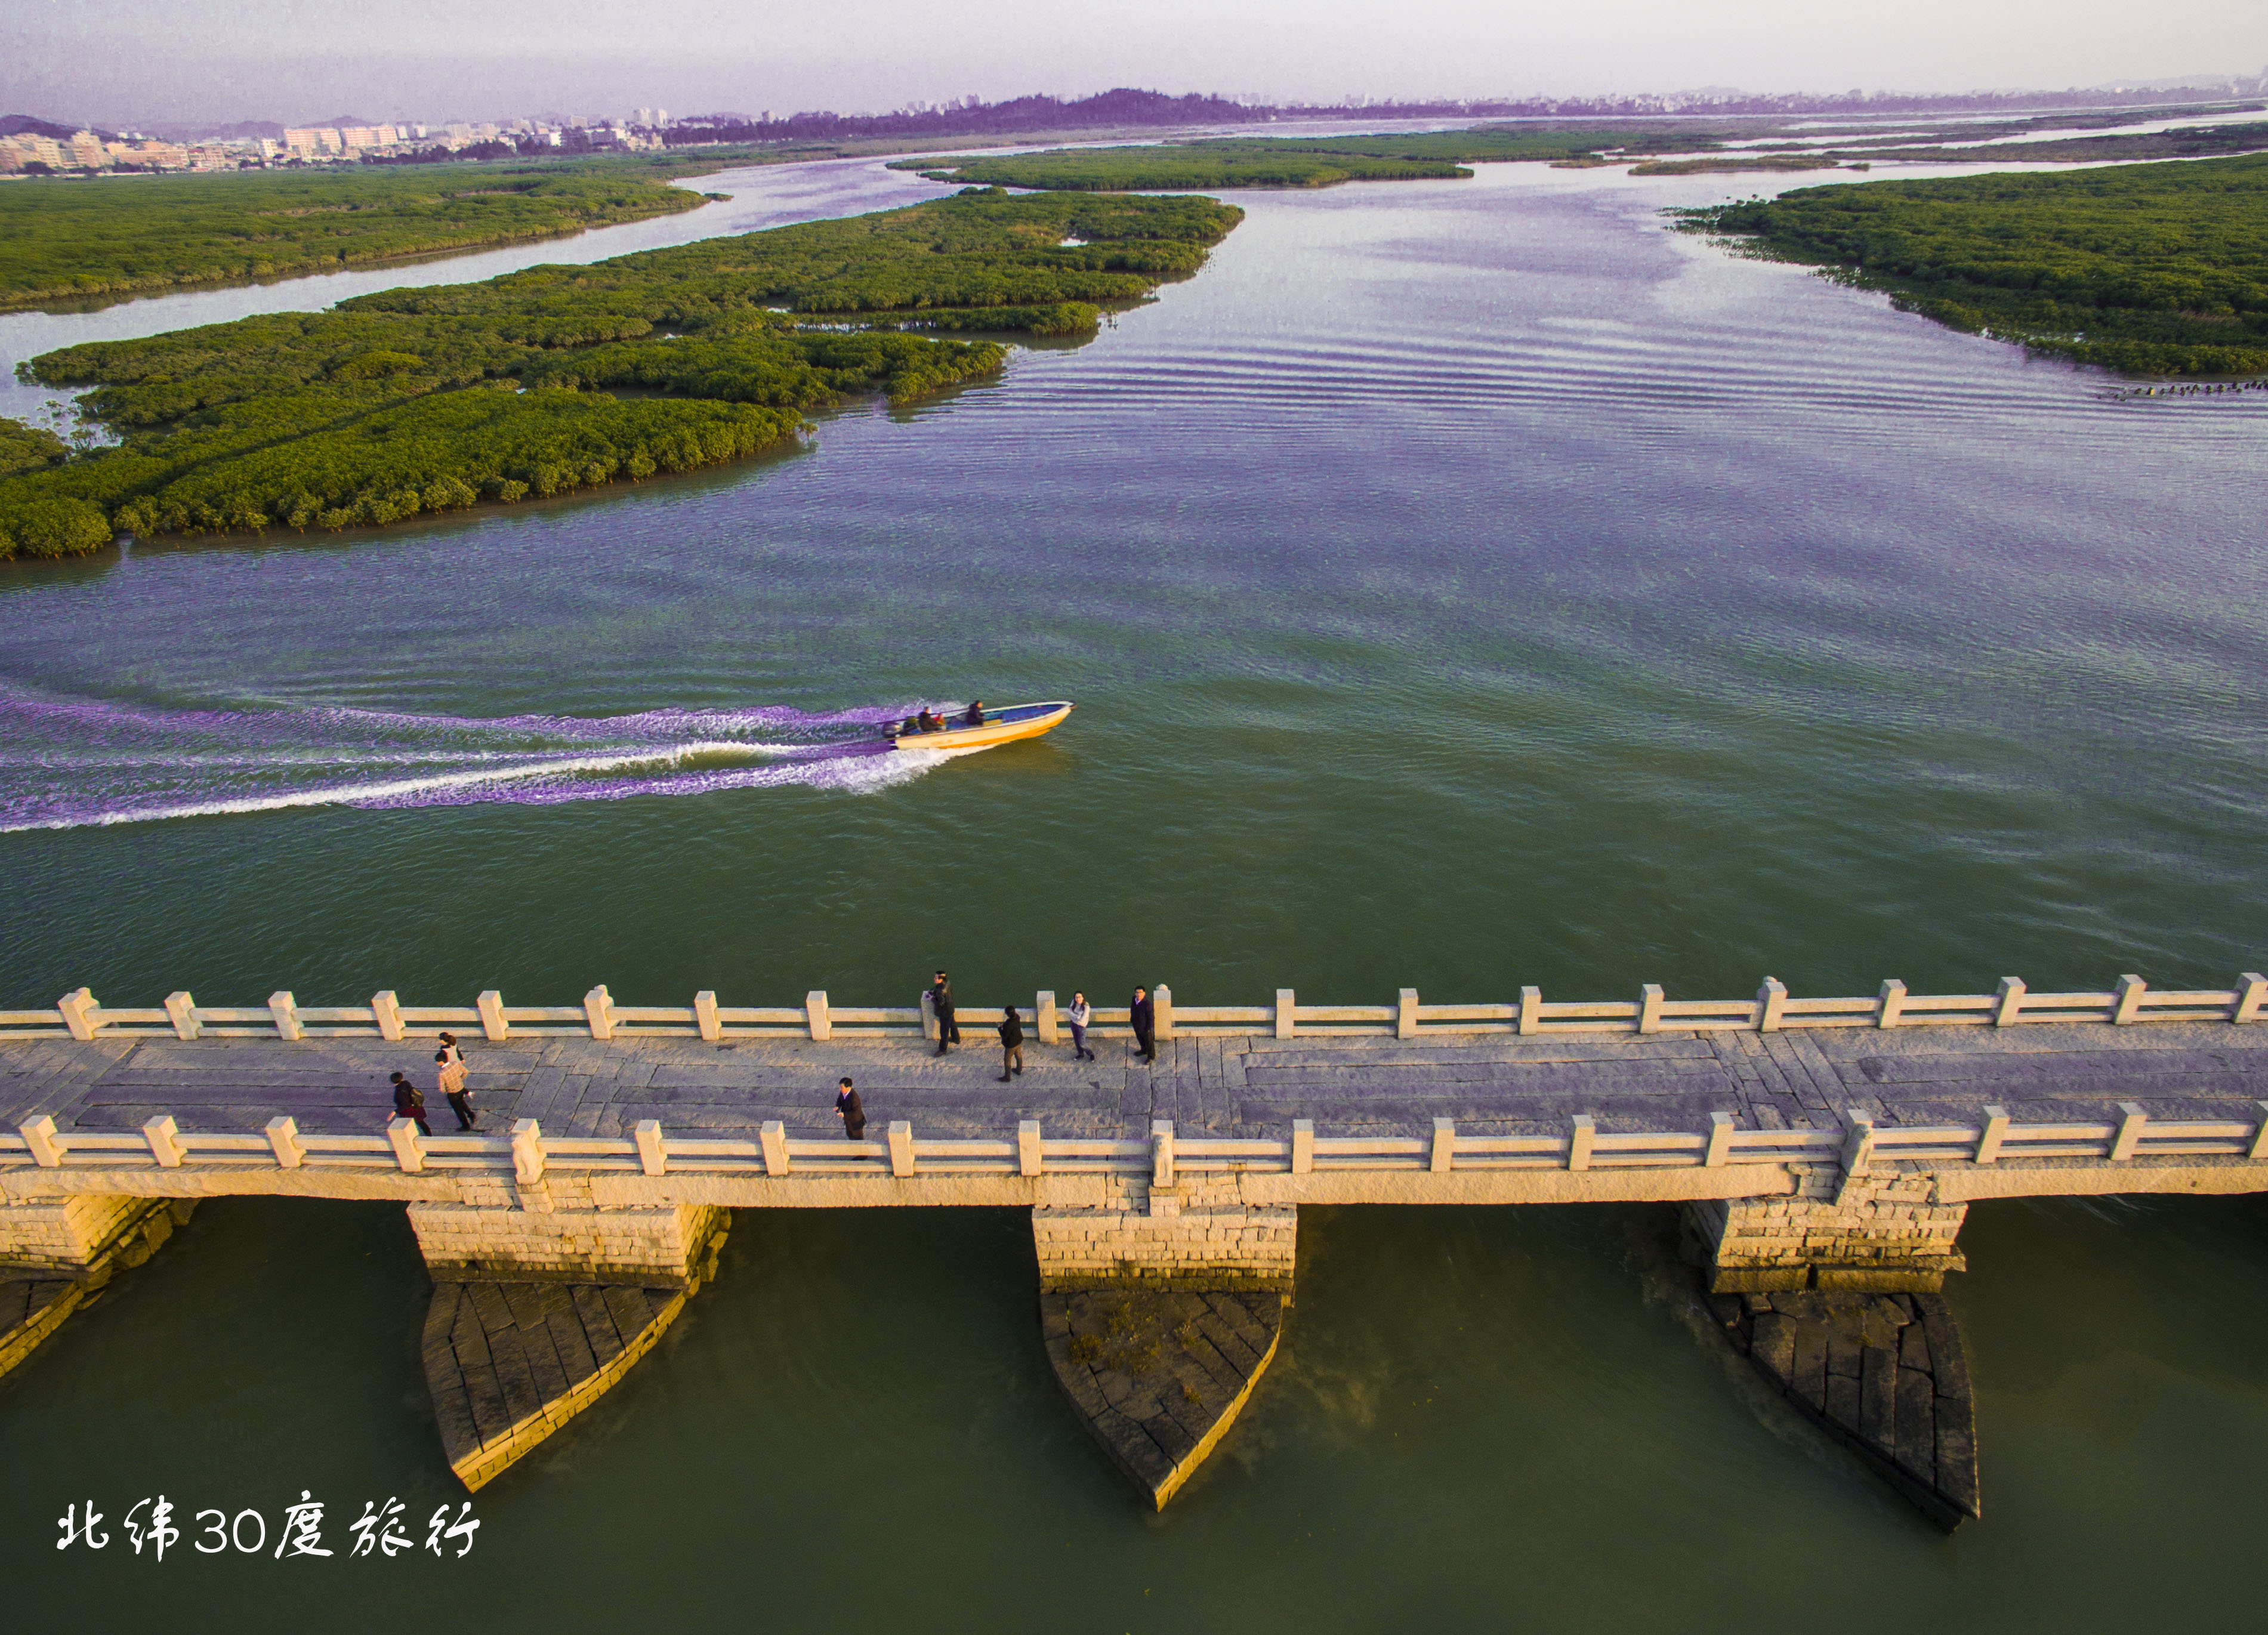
(993, 732)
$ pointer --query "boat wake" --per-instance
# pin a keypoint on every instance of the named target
(67, 763)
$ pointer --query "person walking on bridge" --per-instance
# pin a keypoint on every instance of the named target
(1080, 1016)
(940, 1004)
(848, 1109)
(409, 1103)
(1143, 1015)
(1012, 1045)
(450, 1063)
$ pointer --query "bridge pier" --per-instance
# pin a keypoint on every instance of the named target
(1160, 1307)
(1875, 1234)
(56, 1252)
(541, 1305)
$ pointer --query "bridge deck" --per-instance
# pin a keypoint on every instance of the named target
(1489, 1084)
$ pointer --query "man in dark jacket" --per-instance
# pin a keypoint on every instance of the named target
(409, 1103)
(940, 1004)
(1143, 1015)
(848, 1109)
(1012, 1045)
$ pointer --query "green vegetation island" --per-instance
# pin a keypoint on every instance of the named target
(438, 398)
(2147, 270)
(1285, 161)
(82, 242)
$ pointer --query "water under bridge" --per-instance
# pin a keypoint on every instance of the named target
(1823, 1154)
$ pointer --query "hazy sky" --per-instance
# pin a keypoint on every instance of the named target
(118, 62)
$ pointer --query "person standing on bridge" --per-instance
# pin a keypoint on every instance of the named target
(409, 1103)
(848, 1109)
(1143, 1015)
(1012, 1045)
(940, 1004)
(450, 1063)
(1080, 1015)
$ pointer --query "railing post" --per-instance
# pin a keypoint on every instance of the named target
(1287, 1020)
(1772, 999)
(2258, 1154)
(387, 1007)
(1303, 1146)
(1029, 1156)
(1162, 1009)
(39, 1135)
(2009, 1007)
(704, 1014)
(1531, 1012)
(1161, 1155)
(1892, 1001)
(285, 1010)
(774, 1136)
(407, 1153)
(1584, 1132)
(1649, 1008)
(182, 1011)
(1857, 1142)
(930, 1028)
(2251, 997)
(814, 1015)
(493, 1025)
(1444, 1156)
(2130, 1131)
(526, 1152)
(283, 1141)
(164, 1137)
(1720, 1141)
(78, 1007)
(1043, 1014)
(1995, 1132)
(2130, 991)
(647, 1133)
(1406, 1014)
(598, 1010)
(902, 1147)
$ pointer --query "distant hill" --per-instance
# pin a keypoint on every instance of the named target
(17, 124)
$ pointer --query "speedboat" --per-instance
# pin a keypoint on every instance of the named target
(1004, 726)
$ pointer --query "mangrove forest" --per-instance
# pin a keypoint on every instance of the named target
(82, 242)
(1280, 161)
(441, 397)
(2147, 270)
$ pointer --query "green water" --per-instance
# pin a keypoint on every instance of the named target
(1478, 1418)
(1463, 585)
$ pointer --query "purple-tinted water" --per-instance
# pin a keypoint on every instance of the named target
(68, 762)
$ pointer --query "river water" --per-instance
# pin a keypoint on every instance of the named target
(1463, 585)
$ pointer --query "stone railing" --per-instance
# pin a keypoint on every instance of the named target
(527, 1153)
(79, 1016)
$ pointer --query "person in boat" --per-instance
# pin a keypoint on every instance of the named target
(975, 716)
(929, 721)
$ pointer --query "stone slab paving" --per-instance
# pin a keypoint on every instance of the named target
(1231, 1087)
(510, 1363)
(1885, 1374)
(1159, 1375)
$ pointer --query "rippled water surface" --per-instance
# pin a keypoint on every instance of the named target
(1463, 585)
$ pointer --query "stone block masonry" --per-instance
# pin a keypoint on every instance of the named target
(1875, 1234)
(81, 1237)
(1197, 1234)
(662, 1248)
(56, 1253)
